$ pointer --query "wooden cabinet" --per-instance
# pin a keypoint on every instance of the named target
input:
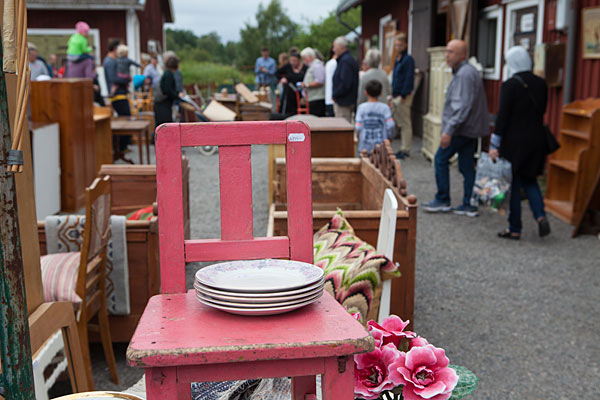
(572, 170)
(103, 139)
(439, 79)
(70, 103)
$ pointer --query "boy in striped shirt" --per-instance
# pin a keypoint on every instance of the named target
(374, 122)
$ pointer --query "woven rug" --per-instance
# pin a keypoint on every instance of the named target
(253, 389)
(64, 233)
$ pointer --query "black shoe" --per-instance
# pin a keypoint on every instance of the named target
(507, 234)
(543, 227)
(402, 155)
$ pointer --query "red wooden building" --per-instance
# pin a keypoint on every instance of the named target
(493, 26)
(138, 23)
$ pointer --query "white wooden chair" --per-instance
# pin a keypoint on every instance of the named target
(385, 246)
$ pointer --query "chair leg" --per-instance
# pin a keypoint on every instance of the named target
(76, 364)
(303, 386)
(109, 353)
(85, 349)
(338, 379)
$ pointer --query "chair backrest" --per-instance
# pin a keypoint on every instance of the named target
(237, 241)
(96, 234)
(385, 246)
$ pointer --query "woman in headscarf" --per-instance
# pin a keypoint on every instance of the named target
(519, 138)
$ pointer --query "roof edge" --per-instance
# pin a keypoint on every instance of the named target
(347, 5)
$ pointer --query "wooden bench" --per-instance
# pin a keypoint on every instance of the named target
(357, 186)
(134, 187)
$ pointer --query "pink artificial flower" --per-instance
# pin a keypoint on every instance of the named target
(418, 341)
(391, 330)
(424, 373)
(356, 315)
(371, 372)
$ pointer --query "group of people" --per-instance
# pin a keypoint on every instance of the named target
(337, 87)
(381, 104)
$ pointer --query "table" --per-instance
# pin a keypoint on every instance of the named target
(127, 126)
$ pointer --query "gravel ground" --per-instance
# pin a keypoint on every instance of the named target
(524, 316)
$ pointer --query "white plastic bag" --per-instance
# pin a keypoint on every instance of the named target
(492, 183)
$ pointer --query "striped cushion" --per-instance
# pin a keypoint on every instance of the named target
(352, 267)
(143, 214)
(59, 276)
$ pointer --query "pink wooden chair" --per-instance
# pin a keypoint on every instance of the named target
(178, 339)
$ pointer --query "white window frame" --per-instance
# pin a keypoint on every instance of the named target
(511, 7)
(51, 31)
(382, 22)
(495, 12)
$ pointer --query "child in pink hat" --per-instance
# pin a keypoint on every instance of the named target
(77, 47)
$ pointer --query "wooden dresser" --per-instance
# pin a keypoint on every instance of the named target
(70, 103)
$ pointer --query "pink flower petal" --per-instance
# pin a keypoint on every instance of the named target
(394, 323)
(432, 390)
(418, 356)
(440, 355)
(448, 376)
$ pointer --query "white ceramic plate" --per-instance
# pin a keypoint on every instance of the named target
(257, 311)
(268, 275)
(227, 303)
(258, 300)
(267, 297)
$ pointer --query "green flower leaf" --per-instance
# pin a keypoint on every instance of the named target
(467, 382)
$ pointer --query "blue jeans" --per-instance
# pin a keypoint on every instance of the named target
(465, 147)
(534, 195)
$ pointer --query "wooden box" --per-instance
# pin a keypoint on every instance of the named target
(134, 187)
(357, 185)
(330, 137)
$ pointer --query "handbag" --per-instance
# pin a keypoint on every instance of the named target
(549, 139)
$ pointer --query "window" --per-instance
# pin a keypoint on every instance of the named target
(489, 42)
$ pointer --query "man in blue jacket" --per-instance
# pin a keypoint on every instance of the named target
(345, 80)
(402, 87)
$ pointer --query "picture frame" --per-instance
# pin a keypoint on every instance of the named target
(590, 32)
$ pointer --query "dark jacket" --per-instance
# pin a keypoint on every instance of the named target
(289, 105)
(163, 104)
(403, 79)
(520, 124)
(345, 80)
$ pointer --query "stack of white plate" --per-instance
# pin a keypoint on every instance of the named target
(259, 287)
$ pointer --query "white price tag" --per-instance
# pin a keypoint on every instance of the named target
(296, 137)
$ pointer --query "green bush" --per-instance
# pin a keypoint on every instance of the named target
(207, 72)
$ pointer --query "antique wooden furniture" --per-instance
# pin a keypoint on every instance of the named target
(331, 137)
(104, 152)
(45, 143)
(573, 168)
(439, 79)
(70, 103)
(179, 340)
(91, 278)
(357, 186)
(127, 126)
(134, 187)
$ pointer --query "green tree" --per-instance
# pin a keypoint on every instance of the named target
(320, 35)
(273, 29)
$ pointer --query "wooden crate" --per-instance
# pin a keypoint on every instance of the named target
(356, 185)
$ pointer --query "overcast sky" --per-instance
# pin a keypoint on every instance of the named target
(226, 17)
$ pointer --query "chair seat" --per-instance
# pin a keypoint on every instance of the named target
(176, 329)
(59, 276)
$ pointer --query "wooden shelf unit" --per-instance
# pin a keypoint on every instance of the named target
(573, 168)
